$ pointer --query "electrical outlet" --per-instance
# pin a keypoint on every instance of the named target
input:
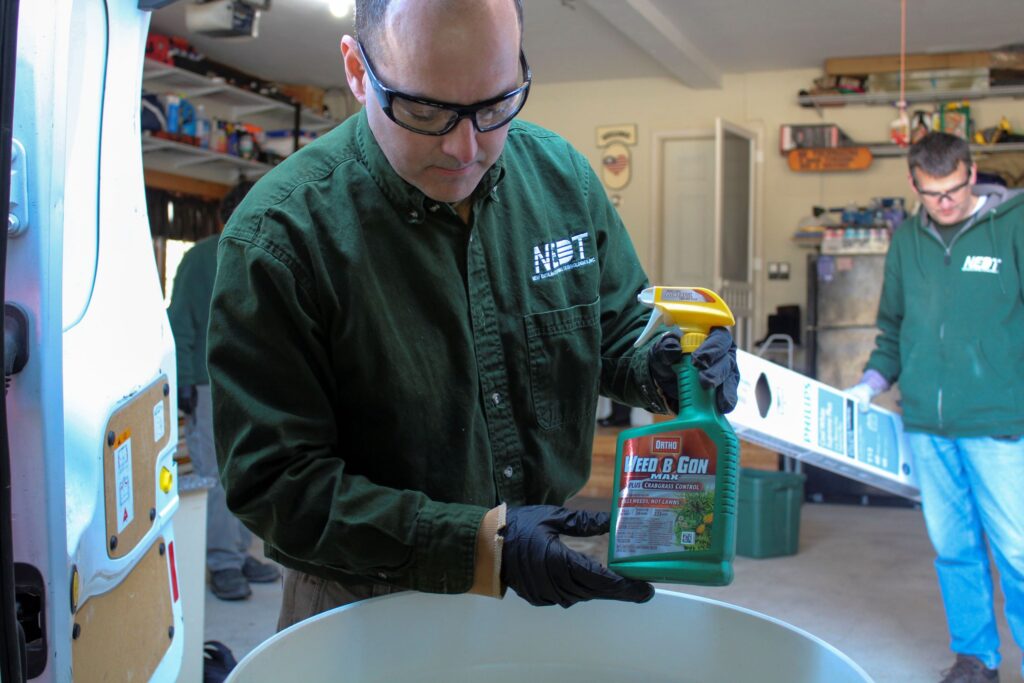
(778, 270)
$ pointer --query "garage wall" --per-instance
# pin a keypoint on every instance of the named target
(760, 102)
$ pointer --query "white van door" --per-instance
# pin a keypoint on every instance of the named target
(91, 424)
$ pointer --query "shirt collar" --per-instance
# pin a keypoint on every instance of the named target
(407, 198)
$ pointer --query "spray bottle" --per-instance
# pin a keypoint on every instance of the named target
(676, 482)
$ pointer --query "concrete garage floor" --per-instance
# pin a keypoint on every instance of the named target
(862, 581)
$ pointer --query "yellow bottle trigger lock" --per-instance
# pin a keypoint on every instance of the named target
(694, 310)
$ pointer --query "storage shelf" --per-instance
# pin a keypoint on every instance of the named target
(223, 101)
(244, 105)
(882, 150)
(891, 150)
(912, 97)
(183, 159)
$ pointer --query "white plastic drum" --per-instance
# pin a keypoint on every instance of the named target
(471, 639)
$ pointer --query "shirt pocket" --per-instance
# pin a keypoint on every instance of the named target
(564, 355)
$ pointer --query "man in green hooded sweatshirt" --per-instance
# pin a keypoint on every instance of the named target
(951, 323)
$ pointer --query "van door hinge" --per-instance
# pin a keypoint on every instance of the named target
(17, 213)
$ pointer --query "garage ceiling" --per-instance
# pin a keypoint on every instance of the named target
(693, 41)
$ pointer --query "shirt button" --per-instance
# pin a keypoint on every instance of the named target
(434, 207)
(414, 214)
(496, 397)
(508, 472)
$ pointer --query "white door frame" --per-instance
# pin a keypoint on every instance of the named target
(742, 298)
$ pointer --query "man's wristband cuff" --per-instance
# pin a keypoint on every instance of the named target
(487, 567)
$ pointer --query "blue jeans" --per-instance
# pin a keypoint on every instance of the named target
(973, 489)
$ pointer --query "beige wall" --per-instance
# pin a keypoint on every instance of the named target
(760, 102)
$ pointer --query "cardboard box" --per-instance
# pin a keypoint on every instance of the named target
(308, 96)
(812, 135)
(861, 66)
(929, 81)
(955, 119)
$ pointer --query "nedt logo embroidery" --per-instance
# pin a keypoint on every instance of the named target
(981, 264)
(552, 258)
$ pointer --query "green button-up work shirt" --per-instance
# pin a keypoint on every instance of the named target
(384, 373)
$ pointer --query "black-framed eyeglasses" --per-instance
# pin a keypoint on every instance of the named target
(431, 117)
(939, 196)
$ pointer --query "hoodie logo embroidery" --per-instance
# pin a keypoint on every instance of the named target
(981, 264)
(552, 258)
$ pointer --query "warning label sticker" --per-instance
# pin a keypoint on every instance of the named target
(123, 480)
(158, 421)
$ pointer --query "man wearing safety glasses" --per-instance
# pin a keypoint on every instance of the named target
(413, 318)
(951, 319)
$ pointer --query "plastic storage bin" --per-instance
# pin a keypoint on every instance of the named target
(768, 523)
(472, 639)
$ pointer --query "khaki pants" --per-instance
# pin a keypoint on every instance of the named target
(306, 595)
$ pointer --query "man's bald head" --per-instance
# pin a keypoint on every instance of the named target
(372, 20)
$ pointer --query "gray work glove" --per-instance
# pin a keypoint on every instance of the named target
(715, 361)
(544, 571)
(862, 393)
(871, 384)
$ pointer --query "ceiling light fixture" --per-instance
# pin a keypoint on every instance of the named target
(340, 8)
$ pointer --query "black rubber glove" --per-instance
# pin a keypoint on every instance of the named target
(715, 361)
(187, 396)
(544, 571)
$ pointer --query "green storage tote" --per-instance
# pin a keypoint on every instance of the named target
(768, 523)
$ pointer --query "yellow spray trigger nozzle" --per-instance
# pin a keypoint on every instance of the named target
(694, 310)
